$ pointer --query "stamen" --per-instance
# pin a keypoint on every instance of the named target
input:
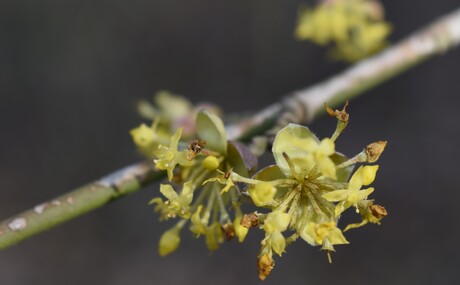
(289, 162)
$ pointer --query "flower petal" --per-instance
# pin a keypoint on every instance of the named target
(341, 207)
(186, 196)
(327, 147)
(356, 180)
(168, 191)
(327, 167)
(296, 142)
(336, 196)
(368, 174)
(278, 242)
(362, 195)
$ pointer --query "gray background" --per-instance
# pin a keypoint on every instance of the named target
(71, 71)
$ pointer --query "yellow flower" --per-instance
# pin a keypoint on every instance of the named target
(274, 224)
(148, 138)
(356, 27)
(169, 241)
(325, 234)
(365, 175)
(168, 157)
(177, 204)
(143, 135)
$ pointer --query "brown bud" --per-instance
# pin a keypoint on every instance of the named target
(265, 265)
(374, 150)
(378, 211)
(227, 174)
(229, 231)
(250, 220)
(341, 115)
(194, 148)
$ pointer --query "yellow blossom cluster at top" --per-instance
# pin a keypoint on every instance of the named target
(355, 28)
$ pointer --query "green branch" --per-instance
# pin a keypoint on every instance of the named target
(76, 203)
(300, 107)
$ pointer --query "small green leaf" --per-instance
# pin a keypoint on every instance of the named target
(210, 128)
(343, 174)
(241, 159)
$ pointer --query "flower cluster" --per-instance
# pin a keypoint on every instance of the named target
(301, 196)
(356, 27)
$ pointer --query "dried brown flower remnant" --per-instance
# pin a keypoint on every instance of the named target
(378, 211)
(250, 220)
(229, 231)
(374, 150)
(341, 115)
(194, 148)
(265, 265)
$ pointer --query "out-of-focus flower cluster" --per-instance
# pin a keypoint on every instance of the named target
(302, 196)
(355, 28)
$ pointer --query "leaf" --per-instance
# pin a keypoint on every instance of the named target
(210, 128)
(241, 159)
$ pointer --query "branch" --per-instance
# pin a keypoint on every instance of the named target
(78, 202)
(303, 105)
(300, 107)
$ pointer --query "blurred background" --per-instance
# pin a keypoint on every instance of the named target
(72, 71)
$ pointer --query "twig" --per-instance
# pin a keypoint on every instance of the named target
(78, 202)
(301, 107)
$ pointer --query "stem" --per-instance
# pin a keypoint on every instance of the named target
(300, 107)
(75, 203)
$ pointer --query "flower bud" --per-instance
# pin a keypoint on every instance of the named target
(262, 193)
(169, 241)
(211, 163)
(142, 135)
(240, 230)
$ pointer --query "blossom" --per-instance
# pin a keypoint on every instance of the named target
(365, 175)
(177, 204)
(325, 234)
(274, 224)
(168, 157)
